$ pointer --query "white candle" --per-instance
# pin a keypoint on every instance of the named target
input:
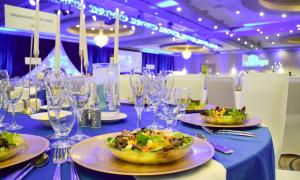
(57, 43)
(116, 40)
(36, 30)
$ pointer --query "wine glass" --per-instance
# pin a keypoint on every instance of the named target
(182, 99)
(137, 82)
(61, 121)
(78, 88)
(155, 85)
(13, 93)
(3, 81)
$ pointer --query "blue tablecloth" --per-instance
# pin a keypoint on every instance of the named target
(253, 158)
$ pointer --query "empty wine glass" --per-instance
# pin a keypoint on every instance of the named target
(78, 88)
(182, 98)
(61, 121)
(137, 82)
(3, 81)
(13, 93)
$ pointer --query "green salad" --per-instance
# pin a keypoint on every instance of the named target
(8, 140)
(147, 140)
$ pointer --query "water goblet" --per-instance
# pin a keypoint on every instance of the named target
(13, 93)
(61, 121)
(78, 88)
(182, 98)
(137, 83)
(3, 81)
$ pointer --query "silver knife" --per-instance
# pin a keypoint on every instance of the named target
(221, 148)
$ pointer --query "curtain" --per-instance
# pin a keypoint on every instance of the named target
(161, 62)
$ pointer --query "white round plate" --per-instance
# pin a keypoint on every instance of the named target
(112, 116)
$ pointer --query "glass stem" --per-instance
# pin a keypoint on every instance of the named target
(13, 114)
(78, 114)
(139, 111)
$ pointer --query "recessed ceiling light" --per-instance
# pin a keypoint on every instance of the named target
(273, 43)
(156, 13)
(77, 25)
(227, 32)
(178, 9)
(199, 19)
(125, 26)
(261, 32)
(92, 29)
(231, 35)
(238, 39)
(278, 35)
(298, 25)
(257, 29)
(215, 27)
(152, 32)
(94, 18)
(283, 15)
(245, 42)
(159, 24)
(261, 14)
(291, 31)
(267, 37)
(237, 12)
(111, 29)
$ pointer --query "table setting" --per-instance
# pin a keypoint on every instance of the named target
(129, 142)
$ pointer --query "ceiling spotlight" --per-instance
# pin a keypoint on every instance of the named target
(273, 43)
(77, 25)
(32, 2)
(152, 32)
(231, 35)
(111, 29)
(227, 32)
(125, 26)
(238, 39)
(215, 27)
(267, 37)
(93, 29)
(298, 25)
(178, 9)
(261, 14)
(278, 35)
(291, 31)
(245, 42)
(261, 32)
(237, 12)
(199, 19)
(156, 13)
(257, 29)
(94, 18)
(159, 24)
(283, 15)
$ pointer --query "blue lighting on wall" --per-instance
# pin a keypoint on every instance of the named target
(8, 29)
(167, 3)
(138, 22)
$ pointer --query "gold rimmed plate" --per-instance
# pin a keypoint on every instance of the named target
(95, 155)
(198, 120)
(34, 146)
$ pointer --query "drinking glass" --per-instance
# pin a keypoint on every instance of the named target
(137, 82)
(170, 111)
(13, 93)
(153, 89)
(182, 100)
(61, 121)
(78, 88)
(3, 82)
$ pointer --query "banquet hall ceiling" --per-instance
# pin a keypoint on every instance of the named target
(231, 24)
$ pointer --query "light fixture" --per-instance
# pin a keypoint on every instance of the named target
(199, 19)
(32, 2)
(267, 37)
(238, 39)
(133, 28)
(178, 9)
(237, 12)
(227, 32)
(186, 54)
(125, 26)
(152, 32)
(261, 14)
(291, 31)
(77, 25)
(94, 18)
(298, 25)
(277, 34)
(251, 45)
(257, 29)
(231, 35)
(215, 27)
(101, 40)
(159, 24)
(273, 43)
(156, 13)
(93, 29)
(173, 39)
(261, 32)
(111, 28)
(245, 42)
(283, 15)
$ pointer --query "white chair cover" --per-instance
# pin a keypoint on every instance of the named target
(265, 97)
(291, 142)
(195, 82)
(125, 89)
(220, 91)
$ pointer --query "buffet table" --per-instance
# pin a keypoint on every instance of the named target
(253, 157)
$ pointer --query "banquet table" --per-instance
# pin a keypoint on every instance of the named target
(253, 157)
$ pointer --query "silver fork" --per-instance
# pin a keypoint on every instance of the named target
(60, 157)
(74, 174)
(227, 131)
